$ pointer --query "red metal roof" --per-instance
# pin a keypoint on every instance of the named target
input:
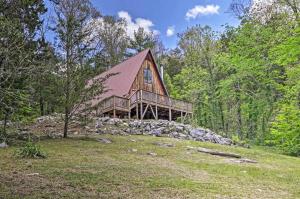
(122, 77)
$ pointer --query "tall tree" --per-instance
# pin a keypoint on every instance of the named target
(112, 41)
(19, 22)
(143, 40)
(45, 79)
(74, 36)
(286, 126)
(199, 48)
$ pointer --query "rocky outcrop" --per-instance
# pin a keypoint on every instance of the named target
(52, 127)
(158, 128)
(3, 145)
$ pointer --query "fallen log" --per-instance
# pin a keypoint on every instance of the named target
(223, 154)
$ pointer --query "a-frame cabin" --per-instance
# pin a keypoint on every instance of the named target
(135, 89)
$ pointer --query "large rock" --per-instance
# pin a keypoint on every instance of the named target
(195, 133)
(3, 145)
(157, 132)
(158, 128)
(104, 140)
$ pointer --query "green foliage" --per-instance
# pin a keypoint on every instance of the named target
(169, 84)
(30, 150)
(142, 40)
(19, 23)
(244, 83)
(113, 41)
(3, 136)
(285, 130)
(288, 51)
(239, 142)
(189, 81)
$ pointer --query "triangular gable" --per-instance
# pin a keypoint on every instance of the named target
(119, 84)
(159, 75)
(157, 84)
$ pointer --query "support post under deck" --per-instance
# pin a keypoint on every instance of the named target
(141, 108)
(129, 110)
(114, 107)
(181, 116)
(129, 115)
(156, 112)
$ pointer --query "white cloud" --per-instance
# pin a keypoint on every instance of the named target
(170, 31)
(133, 26)
(202, 10)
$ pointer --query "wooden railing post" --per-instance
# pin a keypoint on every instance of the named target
(141, 109)
(156, 112)
(129, 110)
(114, 106)
(137, 104)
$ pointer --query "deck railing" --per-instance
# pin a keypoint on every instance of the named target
(164, 100)
(107, 103)
(115, 102)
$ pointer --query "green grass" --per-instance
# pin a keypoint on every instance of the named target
(86, 168)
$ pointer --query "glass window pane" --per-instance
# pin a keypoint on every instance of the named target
(147, 76)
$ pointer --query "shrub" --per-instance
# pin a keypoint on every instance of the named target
(2, 137)
(284, 132)
(237, 141)
(30, 150)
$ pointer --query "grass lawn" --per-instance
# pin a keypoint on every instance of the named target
(86, 168)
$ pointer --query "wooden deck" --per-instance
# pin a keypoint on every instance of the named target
(143, 104)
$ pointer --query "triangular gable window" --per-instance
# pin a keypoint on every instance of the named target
(147, 75)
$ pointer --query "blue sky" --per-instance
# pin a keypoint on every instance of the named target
(159, 15)
(171, 13)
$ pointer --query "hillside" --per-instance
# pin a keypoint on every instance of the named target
(145, 167)
(92, 93)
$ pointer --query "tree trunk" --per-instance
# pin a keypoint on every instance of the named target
(67, 102)
(239, 117)
(219, 153)
(67, 86)
(66, 122)
(299, 100)
(5, 124)
(239, 111)
(222, 115)
(250, 132)
(42, 110)
(67, 110)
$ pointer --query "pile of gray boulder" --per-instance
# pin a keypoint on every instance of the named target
(52, 119)
(158, 128)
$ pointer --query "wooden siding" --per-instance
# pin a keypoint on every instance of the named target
(139, 83)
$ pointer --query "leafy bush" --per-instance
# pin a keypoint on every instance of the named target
(285, 130)
(30, 150)
(237, 141)
(2, 137)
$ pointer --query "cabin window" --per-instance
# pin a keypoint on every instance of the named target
(147, 75)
